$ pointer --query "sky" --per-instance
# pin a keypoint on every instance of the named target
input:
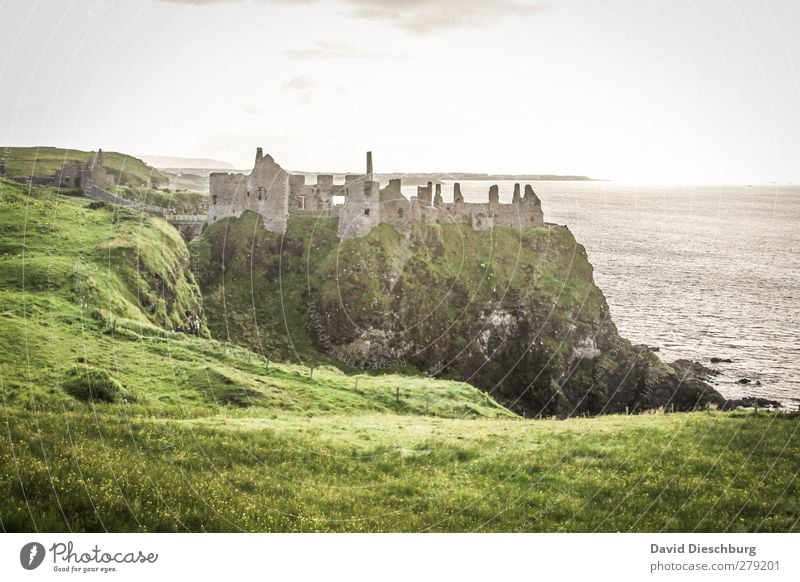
(653, 91)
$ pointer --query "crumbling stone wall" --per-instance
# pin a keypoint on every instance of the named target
(312, 199)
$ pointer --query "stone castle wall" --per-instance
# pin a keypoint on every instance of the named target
(273, 193)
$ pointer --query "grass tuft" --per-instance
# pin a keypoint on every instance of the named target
(90, 384)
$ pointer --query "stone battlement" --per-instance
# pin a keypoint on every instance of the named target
(273, 193)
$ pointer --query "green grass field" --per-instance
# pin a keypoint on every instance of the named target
(108, 468)
(202, 435)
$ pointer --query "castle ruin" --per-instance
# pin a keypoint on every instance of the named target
(75, 174)
(274, 194)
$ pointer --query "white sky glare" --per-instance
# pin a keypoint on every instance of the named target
(653, 91)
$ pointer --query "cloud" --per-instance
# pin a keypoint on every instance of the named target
(251, 109)
(413, 16)
(300, 84)
(335, 50)
(428, 16)
(202, 2)
(302, 88)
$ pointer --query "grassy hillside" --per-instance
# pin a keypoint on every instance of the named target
(46, 161)
(113, 420)
(83, 286)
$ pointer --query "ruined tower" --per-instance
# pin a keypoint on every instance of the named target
(94, 174)
(362, 205)
(264, 191)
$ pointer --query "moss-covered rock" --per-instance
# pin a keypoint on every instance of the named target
(514, 312)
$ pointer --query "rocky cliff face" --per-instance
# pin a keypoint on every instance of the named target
(515, 313)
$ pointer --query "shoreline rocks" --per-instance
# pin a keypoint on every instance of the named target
(752, 402)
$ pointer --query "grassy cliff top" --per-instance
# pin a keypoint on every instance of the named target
(46, 161)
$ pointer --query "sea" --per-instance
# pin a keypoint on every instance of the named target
(696, 271)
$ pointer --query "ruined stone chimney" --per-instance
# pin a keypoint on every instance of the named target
(259, 154)
(438, 202)
(369, 167)
(457, 196)
(494, 195)
(517, 197)
(100, 157)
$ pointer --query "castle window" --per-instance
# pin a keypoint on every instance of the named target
(248, 193)
(399, 213)
(214, 199)
(301, 202)
(366, 212)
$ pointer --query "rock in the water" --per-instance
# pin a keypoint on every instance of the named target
(751, 402)
(696, 368)
(743, 381)
(721, 360)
